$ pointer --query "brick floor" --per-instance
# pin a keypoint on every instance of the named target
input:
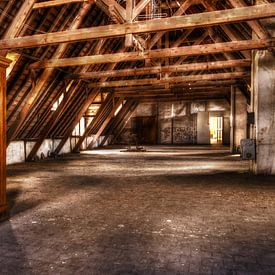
(171, 210)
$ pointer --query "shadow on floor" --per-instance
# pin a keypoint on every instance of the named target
(13, 259)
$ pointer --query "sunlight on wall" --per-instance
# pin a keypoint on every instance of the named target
(13, 56)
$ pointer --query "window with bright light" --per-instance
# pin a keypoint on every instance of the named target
(58, 102)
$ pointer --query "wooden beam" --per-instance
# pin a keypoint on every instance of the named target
(181, 10)
(20, 19)
(181, 98)
(52, 121)
(166, 69)
(176, 79)
(114, 10)
(233, 36)
(161, 53)
(124, 122)
(76, 118)
(34, 93)
(164, 24)
(105, 123)
(129, 19)
(208, 84)
(4, 63)
(254, 25)
(54, 3)
(83, 108)
(188, 89)
(101, 113)
(115, 122)
(139, 8)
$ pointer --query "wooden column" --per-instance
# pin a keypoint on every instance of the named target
(4, 63)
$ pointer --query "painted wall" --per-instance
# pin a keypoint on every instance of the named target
(17, 151)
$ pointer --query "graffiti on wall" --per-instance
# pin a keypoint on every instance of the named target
(165, 131)
(184, 135)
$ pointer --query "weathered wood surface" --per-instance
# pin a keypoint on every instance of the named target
(164, 24)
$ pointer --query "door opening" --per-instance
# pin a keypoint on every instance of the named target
(216, 129)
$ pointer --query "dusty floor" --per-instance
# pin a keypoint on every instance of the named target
(171, 210)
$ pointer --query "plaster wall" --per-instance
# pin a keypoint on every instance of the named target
(18, 150)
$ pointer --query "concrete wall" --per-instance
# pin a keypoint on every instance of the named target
(179, 122)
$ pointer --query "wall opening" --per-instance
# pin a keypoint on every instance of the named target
(216, 129)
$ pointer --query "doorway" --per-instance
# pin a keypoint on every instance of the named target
(216, 129)
(145, 129)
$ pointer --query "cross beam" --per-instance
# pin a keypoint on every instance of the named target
(175, 79)
(161, 53)
(165, 69)
(164, 24)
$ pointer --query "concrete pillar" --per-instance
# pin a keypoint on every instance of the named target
(4, 63)
(263, 105)
(238, 119)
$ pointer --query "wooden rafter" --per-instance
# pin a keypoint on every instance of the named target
(255, 25)
(103, 111)
(124, 122)
(105, 122)
(115, 122)
(154, 25)
(13, 131)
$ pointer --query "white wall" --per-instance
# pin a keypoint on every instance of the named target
(18, 150)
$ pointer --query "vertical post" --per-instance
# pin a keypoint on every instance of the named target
(129, 19)
(238, 119)
(263, 87)
(4, 63)
(232, 120)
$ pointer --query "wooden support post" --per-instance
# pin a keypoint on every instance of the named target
(129, 16)
(232, 120)
(4, 63)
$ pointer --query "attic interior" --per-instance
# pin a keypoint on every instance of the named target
(137, 137)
